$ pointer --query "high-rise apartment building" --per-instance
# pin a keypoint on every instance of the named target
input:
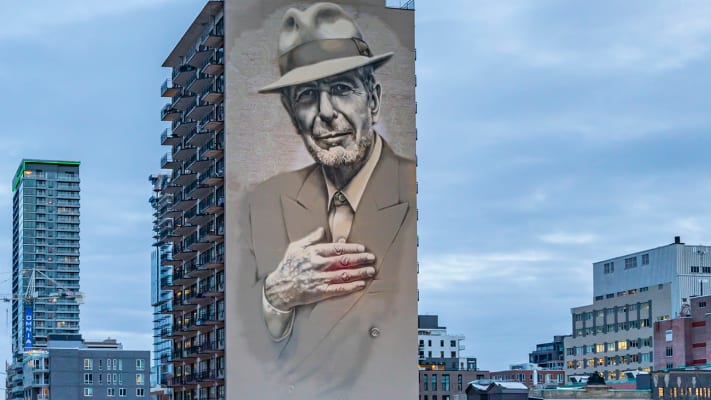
(189, 214)
(614, 335)
(45, 260)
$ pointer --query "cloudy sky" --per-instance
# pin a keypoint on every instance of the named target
(552, 134)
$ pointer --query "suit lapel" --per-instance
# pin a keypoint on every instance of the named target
(307, 210)
(375, 225)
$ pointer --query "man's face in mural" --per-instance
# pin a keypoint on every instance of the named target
(335, 117)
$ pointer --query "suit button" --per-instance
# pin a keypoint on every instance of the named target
(374, 332)
(341, 240)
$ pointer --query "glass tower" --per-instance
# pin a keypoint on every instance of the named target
(45, 252)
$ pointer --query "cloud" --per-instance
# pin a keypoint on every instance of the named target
(446, 270)
(568, 238)
(34, 17)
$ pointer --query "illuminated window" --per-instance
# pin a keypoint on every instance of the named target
(139, 379)
(88, 364)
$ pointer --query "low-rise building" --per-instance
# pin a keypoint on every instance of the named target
(550, 355)
(492, 390)
(70, 368)
(530, 375)
(690, 383)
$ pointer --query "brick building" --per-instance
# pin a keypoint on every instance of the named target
(682, 341)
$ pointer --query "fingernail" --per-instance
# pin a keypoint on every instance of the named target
(370, 271)
(370, 257)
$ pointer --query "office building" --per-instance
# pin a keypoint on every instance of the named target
(189, 214)
(614, 335)
(550, 355)
(45, 261)
(682, 342)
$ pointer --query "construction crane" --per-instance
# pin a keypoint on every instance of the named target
(31, 296)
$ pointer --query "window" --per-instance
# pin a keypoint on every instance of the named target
(694, 270)
(670, 365)
(608, 267)
(441, 343)
(139, 379)
(100, 364)
(120, 379)
(115, 364)
(424, 382)
(452, 343)
(434, 382)
(140, 364)
(702, 304)
(706, 270)
(669, 351)
(110, 392)
(100, 378)
(108, 379)
(445, 382)
(140, 392)
(108, 364)
(453, 354)
(88, 392)
(645, 259)
(88, 364)
(630, 262)
(120, 366)
(644, 289)
(88, 379)
(668, 335)
(459, 382)
(122, 392)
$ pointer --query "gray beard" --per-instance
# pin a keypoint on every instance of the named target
(339, 157)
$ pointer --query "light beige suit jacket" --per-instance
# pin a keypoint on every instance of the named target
(363, 345)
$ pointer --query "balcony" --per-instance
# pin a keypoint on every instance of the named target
(216, 235)
(185, 229)
(183, 177)
(168, 113)
(215, 207)
(212, 150)
(167, 138)
(183, 128)
(184, 100)
(214, 121)
(167, 162)
(183, 254)
(183, 153)
(215, 65)
(214, 176)
(167, 89)
(213, 262)
(199, 110)
(214, 347)
(199, 219)
(199, 191)
(215, 38)
(197, 55)
(199, 138)
(182, 74)
(173, 189)
(199, 82)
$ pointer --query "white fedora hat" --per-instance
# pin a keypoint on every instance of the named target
(319, 42)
